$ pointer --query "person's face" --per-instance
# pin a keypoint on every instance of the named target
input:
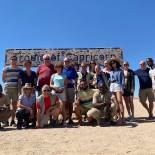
(113, 64)
(66, 63)
(83, 85)
(126, 66)
(28, 91)
(97, 69)
(46, 91)
(27, 65)
(142, 64)
(58, 68)
(106, 64)
(84, 67)
(76, 67)
(149, 62)
(47, 60)
(13, 61)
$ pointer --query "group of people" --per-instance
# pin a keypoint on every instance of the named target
(91, 93)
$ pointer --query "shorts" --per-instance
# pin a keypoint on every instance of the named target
(127, 93)
(115, 87)
(70, 95)
(95, 113)
(62, 96)
(11, 94)
(145, 94)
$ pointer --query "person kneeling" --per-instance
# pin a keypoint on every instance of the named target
(5, 111)
(48, 108)
(84, 101)
(26, 107)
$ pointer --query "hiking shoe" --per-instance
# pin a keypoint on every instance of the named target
(12, 123)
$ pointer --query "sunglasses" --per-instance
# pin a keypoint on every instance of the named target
(46, 90)
(47, 59)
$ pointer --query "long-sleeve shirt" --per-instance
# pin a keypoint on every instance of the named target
(117, 76)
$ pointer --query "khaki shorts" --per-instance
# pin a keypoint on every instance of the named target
(145, 94)
(70, 95)
(11, 94)
(95, 113)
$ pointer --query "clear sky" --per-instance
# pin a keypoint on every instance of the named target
(128, 24)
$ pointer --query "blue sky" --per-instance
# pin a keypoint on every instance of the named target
(128, 24)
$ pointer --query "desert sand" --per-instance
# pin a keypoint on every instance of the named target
(137, 138)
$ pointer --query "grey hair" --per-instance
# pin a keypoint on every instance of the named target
(45, 87)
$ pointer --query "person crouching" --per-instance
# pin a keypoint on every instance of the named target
(26, 107)
(48, 108)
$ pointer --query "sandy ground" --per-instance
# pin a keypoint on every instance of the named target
(133, 139)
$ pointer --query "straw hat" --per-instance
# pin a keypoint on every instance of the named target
(114, 59)
(27, 86)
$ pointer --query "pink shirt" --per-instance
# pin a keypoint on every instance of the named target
(44, 74)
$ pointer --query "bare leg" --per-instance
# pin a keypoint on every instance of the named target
(78, 113)
(127, 103)
(131, 106)
(121, 107)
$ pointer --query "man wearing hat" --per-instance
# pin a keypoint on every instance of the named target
(26, 107)
(10, 77)
(5, 111)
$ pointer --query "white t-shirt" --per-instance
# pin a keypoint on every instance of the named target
(152, 75)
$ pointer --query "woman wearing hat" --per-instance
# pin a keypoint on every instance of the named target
(26, 107)
(117, 84)
(129, 89)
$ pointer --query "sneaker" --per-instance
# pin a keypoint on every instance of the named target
(53, 123)
(5, 124)
(12, 123)
(70, 122)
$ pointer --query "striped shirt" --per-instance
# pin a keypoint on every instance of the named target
(86, 97)
(12, 75)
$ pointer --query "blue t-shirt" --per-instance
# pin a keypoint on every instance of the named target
(71, 75)
(144, 78)
(58, 80)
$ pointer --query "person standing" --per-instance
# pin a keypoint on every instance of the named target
(27, 75)
(10, 77)
(44, 72)
(117, 85)
(129, 88)
(72, 76)
(58, 85)
(145, 91)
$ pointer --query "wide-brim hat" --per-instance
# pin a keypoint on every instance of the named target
(27, 86)
(116, 59)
